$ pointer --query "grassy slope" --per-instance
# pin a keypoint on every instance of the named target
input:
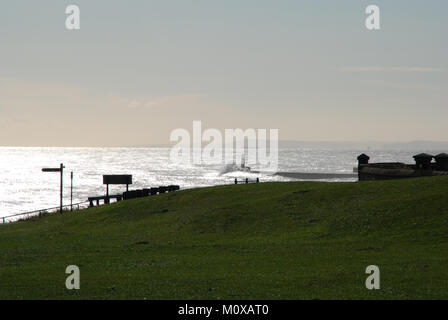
(301, 240)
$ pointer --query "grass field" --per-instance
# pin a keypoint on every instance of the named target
(297, 240)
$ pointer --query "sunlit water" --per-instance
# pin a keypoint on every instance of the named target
(24, 187)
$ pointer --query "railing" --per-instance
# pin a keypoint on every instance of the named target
(39, 213)
(247, 180)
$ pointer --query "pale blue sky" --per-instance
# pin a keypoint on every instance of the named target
(308, 68)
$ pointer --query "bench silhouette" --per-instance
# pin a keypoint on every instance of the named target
(149, 192)
(132, 194)
(105, 199)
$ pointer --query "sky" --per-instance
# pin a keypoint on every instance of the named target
(136, 70)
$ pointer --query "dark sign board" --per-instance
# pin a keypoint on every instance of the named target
(117, 179)
(51, 169)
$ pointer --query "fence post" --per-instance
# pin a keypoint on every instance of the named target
(62, 187)
(71, 191)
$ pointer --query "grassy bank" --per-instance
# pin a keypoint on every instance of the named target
(298, 240)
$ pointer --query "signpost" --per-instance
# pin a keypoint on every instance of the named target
(61, 170)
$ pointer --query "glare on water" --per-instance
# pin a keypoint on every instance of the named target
(24, 187)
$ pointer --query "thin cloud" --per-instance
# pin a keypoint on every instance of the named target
(390, 69)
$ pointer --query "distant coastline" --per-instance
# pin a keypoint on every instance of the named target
(316, 176)
(415, 145)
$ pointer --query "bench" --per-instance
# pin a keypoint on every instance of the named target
(106, 199)
(247, 181)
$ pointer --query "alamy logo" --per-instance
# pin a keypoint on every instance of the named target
(261, 151)
(373, 20)
(73, 280)
(373, 281)
(73, 20)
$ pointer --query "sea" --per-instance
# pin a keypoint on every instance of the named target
(24, 187)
